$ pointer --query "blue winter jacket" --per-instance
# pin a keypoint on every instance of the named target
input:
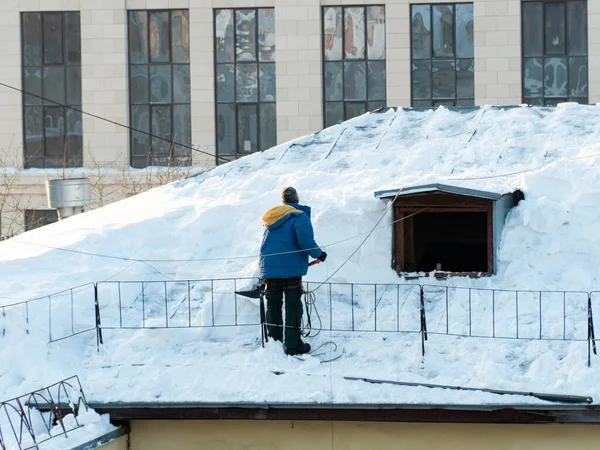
(288, 229)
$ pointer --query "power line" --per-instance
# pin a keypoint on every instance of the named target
(170, 141)
(225, 258)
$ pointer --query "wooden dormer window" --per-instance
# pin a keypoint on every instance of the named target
(447, 229)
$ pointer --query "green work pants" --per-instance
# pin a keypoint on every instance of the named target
(277, 288)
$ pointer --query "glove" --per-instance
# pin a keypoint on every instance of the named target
(322, 257)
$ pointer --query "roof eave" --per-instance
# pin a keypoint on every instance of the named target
(437, 187)
(493, 413)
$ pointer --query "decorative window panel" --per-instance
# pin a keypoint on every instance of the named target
(159, 88)
(555, 55)
(51, 67)
(353, 61)
(442, 55)
(245, 91)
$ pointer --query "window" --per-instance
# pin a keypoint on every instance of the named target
(51, 62)
(159, 88)
(442, 55)
(245, 81)
(35, 218)
(353, 61)
(555, 62)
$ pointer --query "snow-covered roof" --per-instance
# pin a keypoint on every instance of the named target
(209, 226)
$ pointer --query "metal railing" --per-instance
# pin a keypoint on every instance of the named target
(38, 416)
(67, 313)
(509, 314)
(565, 316)
(174, 304)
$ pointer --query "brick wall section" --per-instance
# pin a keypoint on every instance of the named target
(202, 73)
(594, 50)
(497, 52)
(298, 67)
(104, 82)
(397, 53)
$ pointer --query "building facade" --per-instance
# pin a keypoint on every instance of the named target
(132, 93)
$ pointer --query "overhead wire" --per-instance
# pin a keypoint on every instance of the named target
(225, 258)
(96, 116)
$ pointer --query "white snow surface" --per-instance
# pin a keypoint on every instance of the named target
(86, 428)
(551, 241)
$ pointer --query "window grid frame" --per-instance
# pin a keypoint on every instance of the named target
(544, 56)
(366, 60)
(432, 58)
(151, 156)
(66, 106)
(220, 159)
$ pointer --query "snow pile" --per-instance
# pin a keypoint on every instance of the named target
(209, 226)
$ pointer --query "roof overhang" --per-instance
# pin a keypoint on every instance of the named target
(437, 187)
(491, 413)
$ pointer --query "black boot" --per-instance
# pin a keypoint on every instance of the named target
(304, 348)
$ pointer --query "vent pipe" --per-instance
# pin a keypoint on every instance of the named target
(68, 195)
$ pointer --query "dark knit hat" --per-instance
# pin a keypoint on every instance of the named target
(289, 195)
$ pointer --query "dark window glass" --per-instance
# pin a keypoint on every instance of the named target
(182, 115)
(442, 55)
(333, 81)
(180, 39)
(224, 33)
(268, 124)
(354, 109)
(376, 80)
(247, 83)
(353, 61)
(245, 87)
(31, 25)
(444, 86)
(266, 34)
(443, 31)
(245, 34)
(51, 67)
(421, 80)
(421, 31)
(555, 29)
(161, 129)
(140, 120)
(533, 29)
(555, 62)
(577, 26)
(247, 128)
(54, 133)
(225, 79)
(159, 87)
(334, 113)
(159, 37)
(465, 79)
(267, 82)
(73, 35)
(355, 81)
(464, 31)
(53, 38)
(138, 37)
(35, 218)
(33, 85)
(226, 125)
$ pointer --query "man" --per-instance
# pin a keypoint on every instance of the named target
(287, 243)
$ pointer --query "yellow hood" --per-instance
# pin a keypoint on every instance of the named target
(274, 214)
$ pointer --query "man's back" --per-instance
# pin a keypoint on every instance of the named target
(288, 232)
